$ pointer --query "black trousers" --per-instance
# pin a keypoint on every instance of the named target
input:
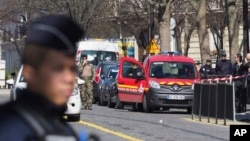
(240, 96)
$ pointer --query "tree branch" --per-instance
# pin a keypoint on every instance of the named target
(194, 5)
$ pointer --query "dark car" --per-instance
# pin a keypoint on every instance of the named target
(106, 83)
(101, 71)
(112, 98)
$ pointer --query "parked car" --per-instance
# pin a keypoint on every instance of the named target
(113, 100)
(106, 83)
(101, 71)
(73, 105)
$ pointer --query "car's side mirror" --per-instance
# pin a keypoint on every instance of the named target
(140, 75)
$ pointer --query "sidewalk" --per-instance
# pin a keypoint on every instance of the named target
(244, 117)
(5, 91)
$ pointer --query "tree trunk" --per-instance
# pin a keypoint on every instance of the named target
(233, 28)
(178, 39)
(164, 22)
(186, 41)
(202, 32)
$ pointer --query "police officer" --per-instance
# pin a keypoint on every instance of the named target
(206, 69)
(49, 69)
(238, 69)
(87, 72)
(223, 66)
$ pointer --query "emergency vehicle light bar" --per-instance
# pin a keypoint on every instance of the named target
(170, 53)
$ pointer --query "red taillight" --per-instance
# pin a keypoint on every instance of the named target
(97, 76)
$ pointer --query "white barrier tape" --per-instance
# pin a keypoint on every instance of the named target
(224, 78)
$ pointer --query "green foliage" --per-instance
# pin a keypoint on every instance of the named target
(7, 75)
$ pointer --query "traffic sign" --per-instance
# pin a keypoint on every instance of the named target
(153, 47)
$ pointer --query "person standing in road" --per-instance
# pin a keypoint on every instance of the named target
(50, 71)
(206, 69)
(223, 66)
(87, 74)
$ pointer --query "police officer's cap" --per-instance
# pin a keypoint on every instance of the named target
(56, 32)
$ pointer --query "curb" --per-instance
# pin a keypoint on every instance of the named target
(5, 91)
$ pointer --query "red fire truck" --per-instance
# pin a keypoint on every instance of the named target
(163, 81)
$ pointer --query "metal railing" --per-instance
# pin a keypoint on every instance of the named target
(214, 99)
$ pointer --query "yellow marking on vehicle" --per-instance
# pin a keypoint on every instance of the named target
(180, 83)
(127, 86)
(162, 83)
(188, 83)
(170, 83)
(106, 130)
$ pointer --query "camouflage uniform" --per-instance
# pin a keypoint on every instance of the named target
(87, 73)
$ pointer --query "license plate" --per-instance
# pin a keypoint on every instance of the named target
(178, 97)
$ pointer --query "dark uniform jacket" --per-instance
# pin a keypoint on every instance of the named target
(223, 67)
(13, 127)
(206, 70)
(238, 70)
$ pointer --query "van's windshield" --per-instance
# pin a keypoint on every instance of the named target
(99, 56)
(177, 70)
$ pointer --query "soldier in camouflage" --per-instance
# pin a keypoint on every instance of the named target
(87, 73)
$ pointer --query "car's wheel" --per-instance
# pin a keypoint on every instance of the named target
(101, 100)
(119, 105)
(73, 118)
(110, 104)
(189, 110)
(146, 106)
(140, 107)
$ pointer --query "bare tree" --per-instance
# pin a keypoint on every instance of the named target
(216, 21)
(163, 7)
(189, 27)
(200, 7)
(12, 23)
(233, 27)
(81, 11)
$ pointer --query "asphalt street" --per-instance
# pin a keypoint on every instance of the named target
(123, 125)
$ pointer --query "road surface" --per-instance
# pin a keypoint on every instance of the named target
(125, 125)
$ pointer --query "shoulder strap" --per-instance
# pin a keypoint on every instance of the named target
(33, 120)
(39, 125)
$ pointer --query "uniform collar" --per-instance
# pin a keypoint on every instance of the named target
(40, 103)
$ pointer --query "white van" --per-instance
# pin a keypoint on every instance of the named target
(98, 49)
